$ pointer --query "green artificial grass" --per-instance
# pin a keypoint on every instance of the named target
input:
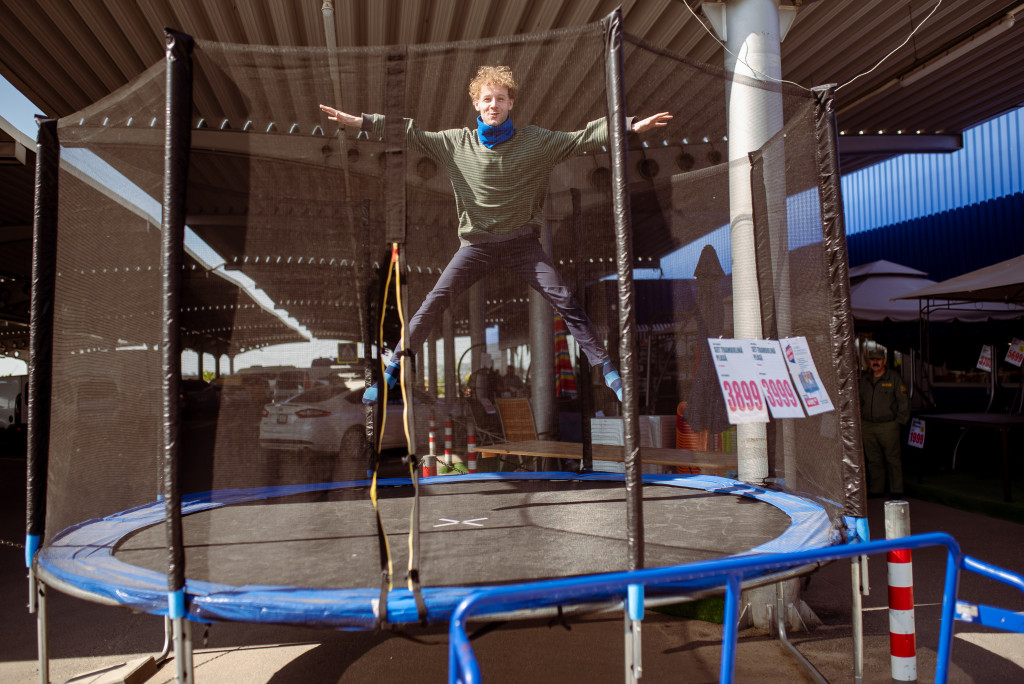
(971, 491)
(708, 610)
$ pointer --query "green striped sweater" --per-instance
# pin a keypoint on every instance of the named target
(499, 192)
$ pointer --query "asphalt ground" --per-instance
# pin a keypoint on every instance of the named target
(88, 642)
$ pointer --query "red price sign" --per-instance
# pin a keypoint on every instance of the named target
(738, 377)
(916, 438)
(779, 393)
(1015, 355)
(743, 395)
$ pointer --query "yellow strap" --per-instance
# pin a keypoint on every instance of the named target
(387, 546)
(405, 418)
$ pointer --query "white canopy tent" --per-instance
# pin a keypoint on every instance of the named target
(883, 290)
(1002, 282)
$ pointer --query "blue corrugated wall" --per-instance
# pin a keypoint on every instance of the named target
(945, 214)
(990, 165)
(947, 244)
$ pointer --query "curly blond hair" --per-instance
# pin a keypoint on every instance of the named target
(498, 76)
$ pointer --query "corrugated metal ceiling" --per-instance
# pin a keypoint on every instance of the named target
(963, 66)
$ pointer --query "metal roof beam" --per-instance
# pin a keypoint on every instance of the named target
(899, 144)
(12, 152)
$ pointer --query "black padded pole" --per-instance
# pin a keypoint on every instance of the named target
(615, 89)
(40, 378)
(837, 264)
(371, 297)
(177, 141)
(394, 145)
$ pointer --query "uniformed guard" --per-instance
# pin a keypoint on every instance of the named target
(884, 407)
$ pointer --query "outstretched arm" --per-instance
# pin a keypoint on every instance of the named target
(434, 145)
(643, 125)
(341, 117)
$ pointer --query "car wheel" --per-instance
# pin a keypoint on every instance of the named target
(352, 456)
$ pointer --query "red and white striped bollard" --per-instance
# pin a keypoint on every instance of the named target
(470, 449)
(902, 638)
(448, 442)
(430, 462)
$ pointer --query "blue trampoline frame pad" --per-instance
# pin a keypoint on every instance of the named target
(81, 558)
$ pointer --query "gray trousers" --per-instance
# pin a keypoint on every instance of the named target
(526, 260)
(882, 451)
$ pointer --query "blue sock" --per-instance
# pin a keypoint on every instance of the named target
(612, 378)
(391, 374)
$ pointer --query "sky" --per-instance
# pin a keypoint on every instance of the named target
(16, 108)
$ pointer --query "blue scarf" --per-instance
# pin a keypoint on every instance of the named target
(493, 135)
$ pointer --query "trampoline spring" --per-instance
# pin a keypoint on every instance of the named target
(4, 542)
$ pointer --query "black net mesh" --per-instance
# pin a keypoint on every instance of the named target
(290, 238)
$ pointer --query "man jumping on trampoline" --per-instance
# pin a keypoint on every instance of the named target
(500, 178)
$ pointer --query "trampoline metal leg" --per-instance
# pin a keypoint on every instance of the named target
(634, 649)
(183, 666)
(780, 621)
(858, 619)
(168, 639)
(37, 605)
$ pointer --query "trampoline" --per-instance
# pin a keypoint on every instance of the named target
(297, 230)
(270, 563)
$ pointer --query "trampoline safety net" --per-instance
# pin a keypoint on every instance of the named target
(300, 229)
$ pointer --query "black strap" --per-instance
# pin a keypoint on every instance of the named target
(413, 576)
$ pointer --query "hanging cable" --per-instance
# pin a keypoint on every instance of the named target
(894, 50)
(739, 59)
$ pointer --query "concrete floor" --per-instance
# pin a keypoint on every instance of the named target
(88, 640)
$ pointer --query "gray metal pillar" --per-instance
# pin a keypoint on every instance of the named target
(430, 361)
(477, 324)
(751, 30)
(450, 382)
(542, 355)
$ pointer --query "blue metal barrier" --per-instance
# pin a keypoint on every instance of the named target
(729, 573)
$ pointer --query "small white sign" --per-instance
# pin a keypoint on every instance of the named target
(1015, 354)
(916, 438)
(805, 375)
(347, 353)
(738, 379)
(774, 378)
(985, 360)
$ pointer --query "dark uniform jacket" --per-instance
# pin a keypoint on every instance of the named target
(884, 399)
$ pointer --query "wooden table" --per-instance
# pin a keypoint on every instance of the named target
(709, 462)
(998, 421)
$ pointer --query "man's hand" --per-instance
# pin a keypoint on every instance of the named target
(341, 117)
(644, 125)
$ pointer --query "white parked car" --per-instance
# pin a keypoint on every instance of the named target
(330, 420)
